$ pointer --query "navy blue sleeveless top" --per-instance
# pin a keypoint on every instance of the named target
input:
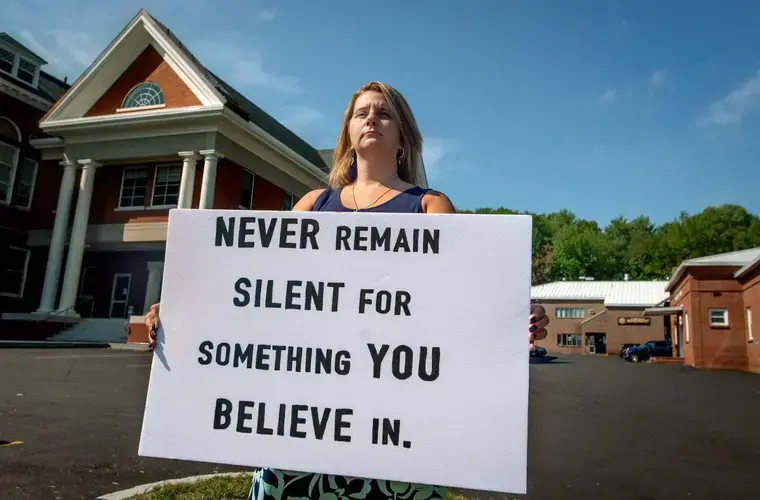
(409, 201)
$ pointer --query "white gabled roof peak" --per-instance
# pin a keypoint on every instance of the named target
(142, 31)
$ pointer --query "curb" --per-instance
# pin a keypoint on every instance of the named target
(62, 344)
(49, 344)
(144, 488)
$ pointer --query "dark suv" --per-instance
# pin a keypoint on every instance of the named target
(647, 350)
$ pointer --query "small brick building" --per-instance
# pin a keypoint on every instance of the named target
(600, 316)
(710, 311)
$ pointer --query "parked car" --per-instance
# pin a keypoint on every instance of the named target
(647, 350)
(537, 352)
(624, 347)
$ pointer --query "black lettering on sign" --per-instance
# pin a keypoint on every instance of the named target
(384, 301)
(297, 294)
(391, 432)
(205, 349)
(402, 362)
(397, 240)
(241, 287)
(290, 420)
(222, 413)
(293, 232)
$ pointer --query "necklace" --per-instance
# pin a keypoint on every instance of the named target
(353, 195)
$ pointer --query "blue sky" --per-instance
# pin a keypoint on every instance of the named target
(606, 108)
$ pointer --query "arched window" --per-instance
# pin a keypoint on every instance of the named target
(10, 140)
(144, 94)
(9, 130)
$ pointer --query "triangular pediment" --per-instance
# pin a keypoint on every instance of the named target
(144, 42)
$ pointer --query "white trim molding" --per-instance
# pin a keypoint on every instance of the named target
(138, 35)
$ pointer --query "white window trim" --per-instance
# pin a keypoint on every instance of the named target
(35, 76)
(122, 109)
(686, 327)
(750, 334)
(119, 208)
(153, 188)
(578, 337)
(715, 309)
(16, 64)
(32, 186)
(23, 276)
(141, 108)
(253, 186)
(14, 169)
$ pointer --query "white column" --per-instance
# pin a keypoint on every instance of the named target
(209, 178)
(189, 159)
(58, 238)
(78, 233)
(155, 271)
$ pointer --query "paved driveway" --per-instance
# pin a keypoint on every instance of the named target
(599, 428)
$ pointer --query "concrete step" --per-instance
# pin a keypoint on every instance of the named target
(107, 330)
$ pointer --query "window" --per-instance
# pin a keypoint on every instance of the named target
(20, 67)
(718, 317)
(13, 265)
(27, 174)
(288, 202)
(246, 192)
(133, 185)
(27, 70)
(686, 328)
(569, 340)
(166, 186)
(10, 139)
(750, 337)
(144, 95)
(569, 312)
(7, 60)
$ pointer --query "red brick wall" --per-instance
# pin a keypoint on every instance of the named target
(148, 66)
(751, 294)
(267, 196)
(712, 346)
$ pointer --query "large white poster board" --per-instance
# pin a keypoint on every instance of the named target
(384, 346)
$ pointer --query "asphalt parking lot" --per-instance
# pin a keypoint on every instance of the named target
(599, 428)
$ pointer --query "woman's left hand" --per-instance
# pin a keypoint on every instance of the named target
(538, 322)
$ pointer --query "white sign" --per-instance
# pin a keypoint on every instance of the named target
(383, 346)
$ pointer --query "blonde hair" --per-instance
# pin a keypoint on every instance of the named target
(411, 139)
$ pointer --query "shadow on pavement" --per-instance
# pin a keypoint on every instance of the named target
(545, 360)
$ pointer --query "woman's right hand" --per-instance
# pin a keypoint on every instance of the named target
(151, 321)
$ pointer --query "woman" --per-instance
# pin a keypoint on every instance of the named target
(375, 170)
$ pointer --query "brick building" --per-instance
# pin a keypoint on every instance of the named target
(710, 310)
(144, 129)
(26, 93)
(600, 316)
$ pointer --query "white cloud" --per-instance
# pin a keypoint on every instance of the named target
(658, 79)
(300, 118)
(242, 66)
(734, 107)
(608, 96)
(434, 152)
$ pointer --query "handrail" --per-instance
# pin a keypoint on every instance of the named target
(62, 311)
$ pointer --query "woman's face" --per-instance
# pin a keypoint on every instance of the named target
(372, 126)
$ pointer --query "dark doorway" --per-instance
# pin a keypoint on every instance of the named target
(597, 343)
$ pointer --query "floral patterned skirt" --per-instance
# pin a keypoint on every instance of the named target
(272, 484)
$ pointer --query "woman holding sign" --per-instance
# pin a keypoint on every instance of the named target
(375, 170)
